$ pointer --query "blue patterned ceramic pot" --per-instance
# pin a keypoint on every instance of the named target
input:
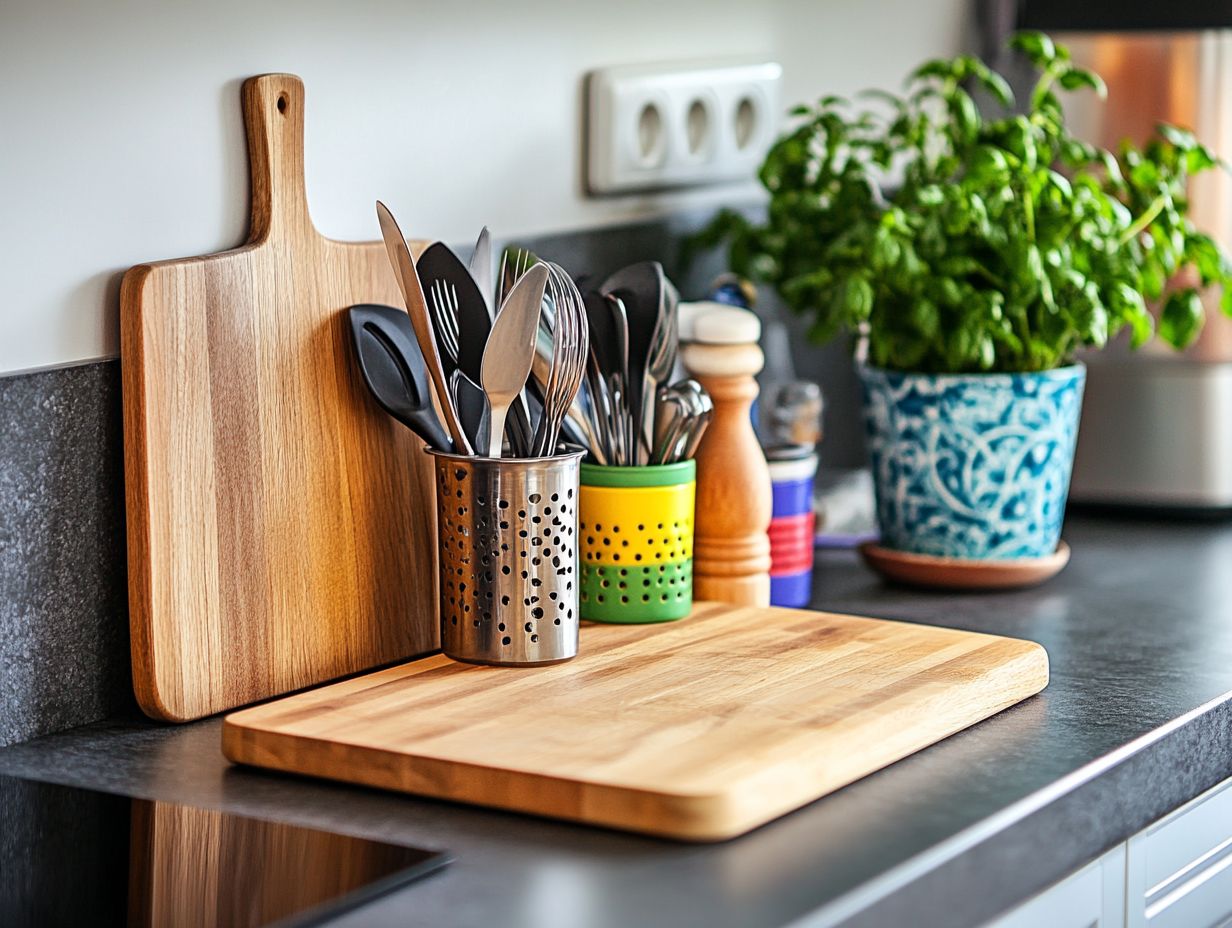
(972, 465)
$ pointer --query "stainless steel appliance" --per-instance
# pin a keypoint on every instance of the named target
(1156, 426)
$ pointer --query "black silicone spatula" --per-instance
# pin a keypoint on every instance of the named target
(437, 266)
(640, 288)
(394, 369)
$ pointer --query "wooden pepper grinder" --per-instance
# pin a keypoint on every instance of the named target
(731, 551)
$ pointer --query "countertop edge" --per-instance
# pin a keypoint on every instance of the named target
(1191, 754)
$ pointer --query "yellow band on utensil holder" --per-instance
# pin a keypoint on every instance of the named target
(636, 525)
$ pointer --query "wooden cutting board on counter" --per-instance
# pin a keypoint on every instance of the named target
(701, 729)
(280, 525)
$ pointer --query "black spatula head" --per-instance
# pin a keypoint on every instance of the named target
(439, 264)
(603, 336)
(394, 369)
(640, 288)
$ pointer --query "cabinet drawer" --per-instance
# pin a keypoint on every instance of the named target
(1091, 898)
(1179, 871)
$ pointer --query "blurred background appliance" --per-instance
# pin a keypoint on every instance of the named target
(1156, 425)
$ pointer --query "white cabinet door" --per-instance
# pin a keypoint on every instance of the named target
(1094, 897)
(1179, 871)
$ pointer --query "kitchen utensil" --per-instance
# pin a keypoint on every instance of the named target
(599, 367)
(518, 431)
(279, 524)
(671, 419)
(480, 266)
(570, 351)
(694, 435)
(700, 413)
(417, 307)
(661, 359)
(577, 423)
(637, 542)
(394, 371)
(439, 268)
(619, 379)
(607, 377)
(507, 532)
(680, 420)
(576, 429)
(463, 323)
(639, 287)
(511, 349)
(698, 730)
(514, 263)
(443, 304)
(472, 404)
(633, 321)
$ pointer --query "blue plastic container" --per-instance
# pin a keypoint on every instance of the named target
(791, 480)
(793, 498)
(791, 590)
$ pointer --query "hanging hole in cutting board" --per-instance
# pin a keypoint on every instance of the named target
(282, 104)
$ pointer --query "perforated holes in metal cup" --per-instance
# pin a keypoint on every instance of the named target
(507, 537)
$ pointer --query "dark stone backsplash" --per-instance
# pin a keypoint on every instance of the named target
(63, 619)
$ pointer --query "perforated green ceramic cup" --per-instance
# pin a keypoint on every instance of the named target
(636, 526)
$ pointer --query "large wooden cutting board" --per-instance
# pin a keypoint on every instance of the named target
(280, 527)
(701, 729)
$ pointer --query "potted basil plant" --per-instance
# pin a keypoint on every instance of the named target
(973, 258)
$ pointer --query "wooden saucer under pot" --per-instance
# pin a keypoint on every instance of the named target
(952, 573)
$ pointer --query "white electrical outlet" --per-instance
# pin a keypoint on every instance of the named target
(651, 126)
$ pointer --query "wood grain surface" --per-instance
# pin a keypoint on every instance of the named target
(280, 525)
(735, 499)
(700, 729)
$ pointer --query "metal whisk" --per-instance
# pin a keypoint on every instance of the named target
(570, 350)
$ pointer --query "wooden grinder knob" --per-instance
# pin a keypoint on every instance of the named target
(731, 550)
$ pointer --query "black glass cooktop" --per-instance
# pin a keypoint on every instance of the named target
(79, 857)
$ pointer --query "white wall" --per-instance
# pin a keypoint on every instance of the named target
(121, 139)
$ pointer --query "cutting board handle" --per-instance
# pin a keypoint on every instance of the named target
(274, 119)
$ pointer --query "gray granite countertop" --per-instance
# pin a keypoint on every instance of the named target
(1136, 721)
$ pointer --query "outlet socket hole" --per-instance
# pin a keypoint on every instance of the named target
(649, 134)
(746, 123)
(697, 126)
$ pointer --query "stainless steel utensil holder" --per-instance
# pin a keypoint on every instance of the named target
(507, 539)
